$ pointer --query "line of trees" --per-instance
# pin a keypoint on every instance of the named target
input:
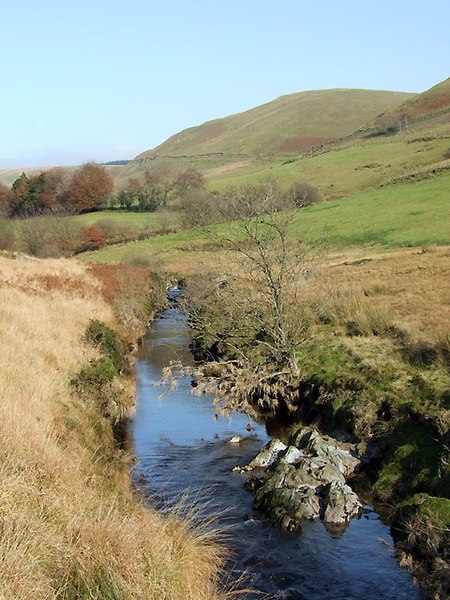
(157, 187)
(201, 207)
(56, 191)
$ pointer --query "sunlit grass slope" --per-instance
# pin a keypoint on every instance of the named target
(406, 214)
(284, 127)
(411, 139)
(431, 105)
(356, 164)
(70, 526)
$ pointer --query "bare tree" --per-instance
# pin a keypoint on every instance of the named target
(252, 319)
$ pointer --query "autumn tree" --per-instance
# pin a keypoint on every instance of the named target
(188, 180)
(90, 184)
(5, 198)
(53, 194)
(26, 196)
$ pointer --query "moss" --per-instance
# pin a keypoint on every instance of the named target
(413, 461)
(429, 511)
(96, 374)
(110, 344)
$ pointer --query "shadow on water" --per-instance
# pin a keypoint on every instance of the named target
(183, 451)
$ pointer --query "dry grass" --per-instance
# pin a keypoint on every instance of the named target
(70, 527)
(409, 289)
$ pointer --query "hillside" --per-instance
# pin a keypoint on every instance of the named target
(279, 129)
(8, 176)
(432, 107)
(408, 142)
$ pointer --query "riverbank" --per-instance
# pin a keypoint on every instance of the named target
(71, 525)
(373, 362)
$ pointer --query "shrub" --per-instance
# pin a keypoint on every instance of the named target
(115, 232)
(302, 194)
(95, 239)
(110, 344)
(7, 235)
(98, 373)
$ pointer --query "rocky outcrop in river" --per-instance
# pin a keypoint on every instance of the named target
(305, 479)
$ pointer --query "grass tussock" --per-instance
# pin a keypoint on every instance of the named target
(70, 527)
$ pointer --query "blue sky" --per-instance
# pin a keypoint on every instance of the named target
(102, 80)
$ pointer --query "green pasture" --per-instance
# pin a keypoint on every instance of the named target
(402, 215)
(407, 214)
(352, 166)
(133, 220)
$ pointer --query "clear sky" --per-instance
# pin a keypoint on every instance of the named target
(107, 79)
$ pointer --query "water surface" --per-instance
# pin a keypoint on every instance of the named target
(181, 449)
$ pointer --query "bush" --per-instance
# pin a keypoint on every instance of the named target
(112, 346)
(115, 232)
(302, 194)
(94, 239)
(7, 235)
(97, 374)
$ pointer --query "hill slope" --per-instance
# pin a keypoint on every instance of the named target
(284, 127)
(430, 108)
(408, 142)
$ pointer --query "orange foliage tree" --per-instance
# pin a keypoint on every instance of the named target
(6, 196)
(89, 185)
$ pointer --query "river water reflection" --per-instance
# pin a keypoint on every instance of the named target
(181, 449)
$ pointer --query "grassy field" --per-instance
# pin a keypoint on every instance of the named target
(402, 215)
(354, 165)
(134, 220)
(72, 527)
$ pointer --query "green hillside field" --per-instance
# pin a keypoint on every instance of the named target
(402, 215)
(280, 129)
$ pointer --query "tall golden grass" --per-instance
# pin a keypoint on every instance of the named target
(70, 525)
(409, 288)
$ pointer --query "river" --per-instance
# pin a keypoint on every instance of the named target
(183, 451)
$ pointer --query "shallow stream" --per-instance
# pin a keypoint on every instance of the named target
(182, 450)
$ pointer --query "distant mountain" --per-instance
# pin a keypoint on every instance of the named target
(116, 163)
(286, 126)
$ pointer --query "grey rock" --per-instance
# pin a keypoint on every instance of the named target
(305, 480)
(340, 503)
(268, 454)
(293, 455)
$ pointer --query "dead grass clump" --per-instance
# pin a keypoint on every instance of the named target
(70, 527)
(355, 312)
(133, 291)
